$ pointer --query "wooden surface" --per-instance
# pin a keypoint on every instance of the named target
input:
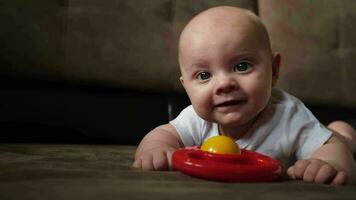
(39, 171)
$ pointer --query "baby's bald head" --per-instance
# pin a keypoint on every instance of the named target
(222, 21)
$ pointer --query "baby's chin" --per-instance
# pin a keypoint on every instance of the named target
(231, 119)
(235, 120)
(230, 122)
(227, 120)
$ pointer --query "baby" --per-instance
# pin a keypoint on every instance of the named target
(229, 73)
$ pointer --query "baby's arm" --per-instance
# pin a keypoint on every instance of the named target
(156, 148)
(331, 163)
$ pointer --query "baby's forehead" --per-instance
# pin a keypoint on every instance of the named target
(221, 25)
(208, 37)
(221, 20)
(220, 17)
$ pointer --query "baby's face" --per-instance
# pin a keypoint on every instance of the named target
(226, 72)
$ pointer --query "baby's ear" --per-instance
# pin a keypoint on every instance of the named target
(181, 80)
(276, 61)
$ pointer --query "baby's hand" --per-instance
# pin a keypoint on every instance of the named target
(318, 171)
(159, 158)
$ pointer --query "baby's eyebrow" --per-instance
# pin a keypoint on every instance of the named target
(194, 68)
(245, 54)
(198, 64)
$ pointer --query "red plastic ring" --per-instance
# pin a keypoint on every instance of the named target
(248, 167)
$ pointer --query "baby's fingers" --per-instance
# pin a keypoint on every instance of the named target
(325, 174)
(290, 172)
(160, 161)
(298, 169)
(137, 163)
(340, 178)
(147, 162)
(312, 170)
(169, 157)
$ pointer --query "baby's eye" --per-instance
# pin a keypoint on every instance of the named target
(242, 66)
(203, 75)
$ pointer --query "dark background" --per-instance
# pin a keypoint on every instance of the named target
(88, 71)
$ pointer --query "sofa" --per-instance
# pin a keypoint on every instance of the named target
(81, 82)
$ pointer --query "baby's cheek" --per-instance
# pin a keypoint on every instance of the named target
(201, 110)
(261, 97)
(200, 100)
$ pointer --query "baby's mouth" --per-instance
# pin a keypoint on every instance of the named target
(230, 103)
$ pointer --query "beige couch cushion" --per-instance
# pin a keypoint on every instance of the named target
(126, 44)
(318, 46)
(132, 44)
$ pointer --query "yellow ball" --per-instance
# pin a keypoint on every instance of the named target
(221, 144)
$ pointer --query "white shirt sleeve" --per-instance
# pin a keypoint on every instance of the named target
(312, 136)
(307, 134)
(189, 126)
(287, 130)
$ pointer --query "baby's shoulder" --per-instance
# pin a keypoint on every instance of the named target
(282, 98)
(189, 115)
(189, 112)
(291, 108)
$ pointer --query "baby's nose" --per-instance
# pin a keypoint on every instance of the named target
(225, 84)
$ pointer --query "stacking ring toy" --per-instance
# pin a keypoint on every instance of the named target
(248, 166)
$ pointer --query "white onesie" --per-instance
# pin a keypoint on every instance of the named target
(285, 130)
